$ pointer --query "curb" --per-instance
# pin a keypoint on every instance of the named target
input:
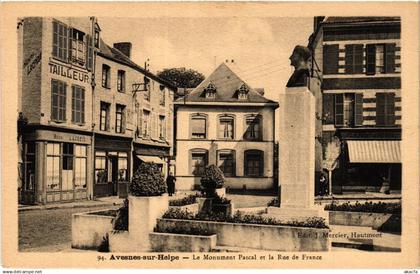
(66, 206)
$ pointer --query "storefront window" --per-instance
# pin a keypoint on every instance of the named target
(122, 166)
(53, 166)
(80, 167)
(67, 173)
(29, 179)
(101, 173)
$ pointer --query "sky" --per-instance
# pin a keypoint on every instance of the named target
(259, 47)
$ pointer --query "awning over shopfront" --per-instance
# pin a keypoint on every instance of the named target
(151, 159)
(374, 151)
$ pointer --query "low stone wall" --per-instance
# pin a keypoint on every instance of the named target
(264, 237)
(374, 220)
(169, 242)
(119, 241)
(88, 230)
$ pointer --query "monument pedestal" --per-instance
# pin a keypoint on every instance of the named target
(297, 156)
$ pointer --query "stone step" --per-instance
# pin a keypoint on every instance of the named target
(225, 248)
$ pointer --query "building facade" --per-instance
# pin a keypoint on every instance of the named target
(225, 122)
(358, 59)
(77, 125)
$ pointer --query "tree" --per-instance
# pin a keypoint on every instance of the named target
(182, 77)
(330, 162)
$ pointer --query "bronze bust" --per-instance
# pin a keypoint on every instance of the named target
(300, 60)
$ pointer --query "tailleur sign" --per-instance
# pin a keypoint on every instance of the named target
(69, 72)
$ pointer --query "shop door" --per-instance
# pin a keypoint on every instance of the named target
(114, 175)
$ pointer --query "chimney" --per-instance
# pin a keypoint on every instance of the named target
(124, 47)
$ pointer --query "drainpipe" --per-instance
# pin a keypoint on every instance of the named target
(93, 19)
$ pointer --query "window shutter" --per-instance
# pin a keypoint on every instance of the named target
(328, 108)
(339, 109)
(349, 59)
(261, 163)
(380, 109)
(358, 113)
(370, 59)
(89, 52)
(140, 122)
(358, 59)
(389, 58)
(330, 59)
(70, 44)
(390, 109)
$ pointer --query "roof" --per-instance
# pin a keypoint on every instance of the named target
(119, 57)
(227, 84)
(360, 19)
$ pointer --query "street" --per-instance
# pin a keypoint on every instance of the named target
(48, 230)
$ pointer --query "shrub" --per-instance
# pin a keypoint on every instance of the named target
(147, 181)
(184, 228)
(379, 207)
(221, 200)
(104, 245)
(188, 200)
(238, 217)
(274, 202)
(121, 220)
(211, 180)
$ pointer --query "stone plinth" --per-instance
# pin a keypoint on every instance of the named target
(296, 155)
(142, 215)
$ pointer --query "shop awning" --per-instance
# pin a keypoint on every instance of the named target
(151, 159)
(374, 151)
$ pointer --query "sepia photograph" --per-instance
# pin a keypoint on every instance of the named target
(214, 139)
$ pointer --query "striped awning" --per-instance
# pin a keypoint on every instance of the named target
(151, 159)
(374, 151)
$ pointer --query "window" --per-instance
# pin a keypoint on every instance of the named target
(59, 40)
(122, 166)
(106, 76)
(254, 163)
(243, 92)
(162, 127)
(121, 81)
(226, 127)
(80, 167)
(198, 161)
(253, 127)
(67, 169)
(96, 39)
(380, 58)
(354, 59)
(58, 100)
(104, 117)
(210, 91)
(385, 109)
(349, 109)
(330, 59)
(101, 172)
(146, 124)
(162, 95)
(29, 167)
(53, 166)
(198, 127)
(78, 105)
(226, 162)
(78, 47)
(119, 119)
(146, 92)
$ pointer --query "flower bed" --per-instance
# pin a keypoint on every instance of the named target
(238, 217)
(380, 207)
(188, 200)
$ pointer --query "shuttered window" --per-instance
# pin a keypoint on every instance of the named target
(354, 59)
(380, 58)
(89, 63)
(60, 43)
(198, 127)
(370, 59)
(58, 100)
(198, 161)
(226, 162)
(254, 163)
(339, 109)
(330, 59)
(119, 119)
(385, 109)
(358, 109)
(78, 105)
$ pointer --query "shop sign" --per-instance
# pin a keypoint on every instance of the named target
(69, 72)
(62, 137)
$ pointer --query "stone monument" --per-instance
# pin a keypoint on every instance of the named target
(297, 144)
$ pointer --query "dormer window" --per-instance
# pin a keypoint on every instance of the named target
(210, 91)
(243, 92)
